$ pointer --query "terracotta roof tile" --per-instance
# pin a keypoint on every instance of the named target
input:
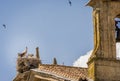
(72, 73)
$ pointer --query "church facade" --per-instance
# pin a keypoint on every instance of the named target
(102, 64)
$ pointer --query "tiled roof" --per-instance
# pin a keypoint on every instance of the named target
(69, 72)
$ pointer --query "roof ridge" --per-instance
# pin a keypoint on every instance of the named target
(62, 66)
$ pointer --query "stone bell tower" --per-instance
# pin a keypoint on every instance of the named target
(103, 64)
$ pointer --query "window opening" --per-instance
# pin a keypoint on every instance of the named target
(117, 29)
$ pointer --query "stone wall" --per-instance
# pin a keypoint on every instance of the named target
(104, 69)
(107, 70)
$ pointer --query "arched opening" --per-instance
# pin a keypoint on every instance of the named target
(117, 28)
(117, 35)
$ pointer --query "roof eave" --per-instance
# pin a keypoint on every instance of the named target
(90, 3)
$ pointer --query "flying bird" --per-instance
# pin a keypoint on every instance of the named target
(70, 3)
(4, 26)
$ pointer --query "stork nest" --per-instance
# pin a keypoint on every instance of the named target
(25, 64)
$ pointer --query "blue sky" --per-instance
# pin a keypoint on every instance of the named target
(59, 30)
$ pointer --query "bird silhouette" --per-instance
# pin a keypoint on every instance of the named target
(70, 3)
(23, 54)
(4, 26)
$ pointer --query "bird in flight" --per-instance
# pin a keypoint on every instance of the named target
(70, 3)
(4, 26)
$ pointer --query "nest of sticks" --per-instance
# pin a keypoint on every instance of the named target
(25, 64)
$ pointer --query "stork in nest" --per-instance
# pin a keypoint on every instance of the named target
(23, 53)
(30, 56)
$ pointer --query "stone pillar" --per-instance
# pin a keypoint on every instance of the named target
(37, 53)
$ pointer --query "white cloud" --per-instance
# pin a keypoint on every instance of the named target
(117, 19)
(82, 60)
(118, 50)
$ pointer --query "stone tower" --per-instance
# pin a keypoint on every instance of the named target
(103, 65)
